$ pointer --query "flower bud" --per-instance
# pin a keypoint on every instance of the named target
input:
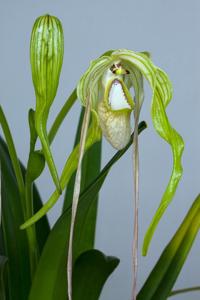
(46, 54)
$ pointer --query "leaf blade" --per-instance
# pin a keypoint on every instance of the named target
(3, 263)
(163, 276)
(51, 270)
(91, 270)
(14, 243)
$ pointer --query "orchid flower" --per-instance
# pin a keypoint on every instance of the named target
(104, 89)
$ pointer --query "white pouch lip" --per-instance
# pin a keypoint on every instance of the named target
(116, 97)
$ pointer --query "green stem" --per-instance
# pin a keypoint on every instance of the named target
(31, 233)
(28, 196)
(76, 194)
(13, 156)
(186, 290)
(62, 114)
(42, 133)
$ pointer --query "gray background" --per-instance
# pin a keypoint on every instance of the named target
(170, 30)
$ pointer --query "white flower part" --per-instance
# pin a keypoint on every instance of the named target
(115, 125)
(117, 98)
(114, 109)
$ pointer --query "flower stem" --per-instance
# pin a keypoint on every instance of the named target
(186, 290)
(77, 186)
(136, 200)
(31, 233)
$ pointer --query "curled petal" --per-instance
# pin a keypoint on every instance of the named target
(161, 97)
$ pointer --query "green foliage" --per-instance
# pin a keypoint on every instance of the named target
(33, 261)
(3, 264)
(14, 241)
(15, 244)
(163, 276)
(93, 136)
(53, 274)
(91, 270)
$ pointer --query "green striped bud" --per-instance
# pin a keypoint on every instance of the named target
(46, 55)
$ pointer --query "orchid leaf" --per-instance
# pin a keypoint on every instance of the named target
(61, 116)
(13, 241)
(13, 154)
(3, 264)
(51, 277)
(161, 280)
(91, 270)
(94, 135)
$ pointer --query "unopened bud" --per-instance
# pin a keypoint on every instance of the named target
(46, 54)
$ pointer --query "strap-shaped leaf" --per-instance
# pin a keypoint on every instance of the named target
(13, 241)
(62, 115)
(3, 264)
(50, 280)
(91, 270)
(94, 135)
(163, 276)
(15, 244)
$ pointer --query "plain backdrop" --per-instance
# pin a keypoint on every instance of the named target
(170, 30)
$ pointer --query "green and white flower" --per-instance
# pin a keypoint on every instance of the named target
(106, 86)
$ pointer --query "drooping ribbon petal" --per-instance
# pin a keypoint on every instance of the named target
(162, 94)
(161, 98)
